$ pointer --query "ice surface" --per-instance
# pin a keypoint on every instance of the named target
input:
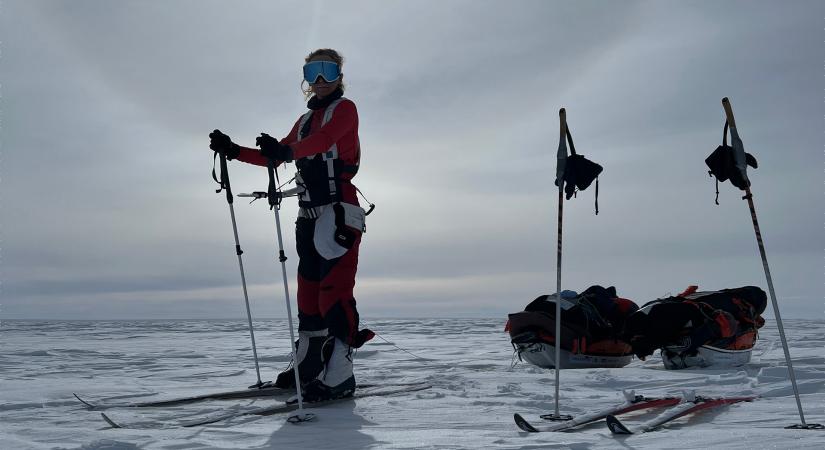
(468, 362)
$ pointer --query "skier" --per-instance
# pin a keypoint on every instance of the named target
(325, 147)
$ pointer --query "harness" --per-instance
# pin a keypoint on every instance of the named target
(320, 175)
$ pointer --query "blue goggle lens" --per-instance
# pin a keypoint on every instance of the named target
(327, 70)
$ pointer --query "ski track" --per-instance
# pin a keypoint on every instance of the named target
(475, 390)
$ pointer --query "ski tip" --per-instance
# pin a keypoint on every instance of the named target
(523, 424)
(87, 404)
(111, 422)
(301, 418)
(263, 385)
(615, 426)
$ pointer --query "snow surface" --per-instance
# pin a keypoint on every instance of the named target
(475, 390)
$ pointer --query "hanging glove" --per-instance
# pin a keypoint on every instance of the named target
(272, 149)
(222, 144)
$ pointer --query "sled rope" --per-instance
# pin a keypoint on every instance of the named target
(397, 347)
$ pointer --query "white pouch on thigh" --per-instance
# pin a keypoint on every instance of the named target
(326, 227)
(325, 235)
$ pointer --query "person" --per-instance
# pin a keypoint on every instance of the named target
(325, 148)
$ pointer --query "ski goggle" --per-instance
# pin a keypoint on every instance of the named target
(327, 70)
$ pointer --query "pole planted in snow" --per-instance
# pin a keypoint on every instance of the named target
(224, 183)
(561, 164)
(561, 161)
(274, 198)
(740, 163)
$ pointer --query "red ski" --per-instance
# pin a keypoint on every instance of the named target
(633, 403)
(683, 409)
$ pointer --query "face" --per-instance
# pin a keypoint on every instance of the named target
(321, 88)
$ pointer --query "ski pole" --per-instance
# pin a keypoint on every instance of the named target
(561, 161)
(224, 183)
(738, 147)
(562, 126)
(274, 198)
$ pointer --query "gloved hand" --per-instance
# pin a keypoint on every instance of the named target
(222, 144)
(272, 149)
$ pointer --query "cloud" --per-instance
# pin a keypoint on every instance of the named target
(108, 204)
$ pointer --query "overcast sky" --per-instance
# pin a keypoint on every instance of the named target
(109, 211)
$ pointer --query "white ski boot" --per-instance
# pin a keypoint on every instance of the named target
(336, 380)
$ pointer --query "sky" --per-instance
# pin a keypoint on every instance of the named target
(108, 209)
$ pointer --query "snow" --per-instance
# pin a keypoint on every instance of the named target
(474, 395)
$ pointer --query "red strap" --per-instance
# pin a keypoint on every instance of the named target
(690, 290)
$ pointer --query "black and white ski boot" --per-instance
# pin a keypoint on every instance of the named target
(310, 362)
(336, 380)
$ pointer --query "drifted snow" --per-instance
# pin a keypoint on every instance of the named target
(468, 362)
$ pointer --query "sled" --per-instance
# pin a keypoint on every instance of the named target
(543, 355)
(706, 356)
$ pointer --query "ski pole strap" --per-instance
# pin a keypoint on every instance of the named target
(372, 205)
(724, 144)
(597, 196)
(570, 140)
(214, 176)
(272, 194)
(224, 181)
(725, 134)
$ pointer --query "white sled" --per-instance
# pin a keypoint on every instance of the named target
(544, 355)
(706, 356)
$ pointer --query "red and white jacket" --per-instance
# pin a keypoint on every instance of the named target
(326, 150)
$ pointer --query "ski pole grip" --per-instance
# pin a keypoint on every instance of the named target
(225, 179)
(561, 154)
(272, 191)
(728, 112)
(562, 123)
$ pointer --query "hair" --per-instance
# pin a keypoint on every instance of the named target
(328, 52)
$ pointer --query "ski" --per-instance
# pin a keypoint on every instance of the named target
(689, 406)
(633, 403)
(266, 391)
(361, 392)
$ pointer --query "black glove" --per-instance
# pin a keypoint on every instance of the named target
(221, 143)
(272, 149)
